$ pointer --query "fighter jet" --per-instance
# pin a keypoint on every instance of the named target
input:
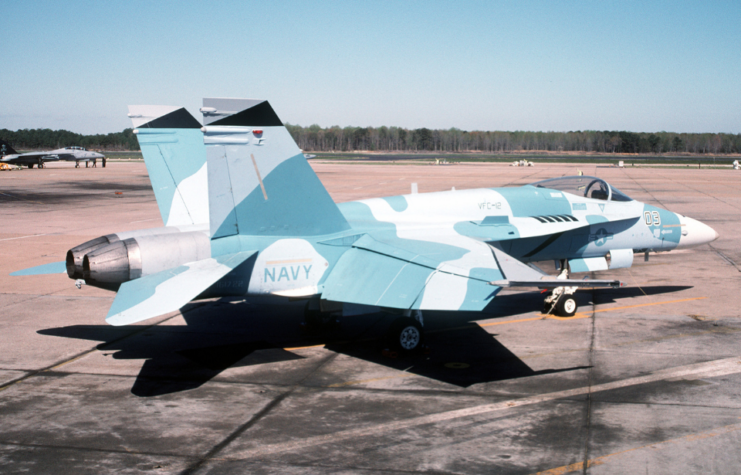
(70, 154)
(245, 215)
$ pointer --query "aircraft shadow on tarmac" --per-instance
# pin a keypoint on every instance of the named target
(219, 335)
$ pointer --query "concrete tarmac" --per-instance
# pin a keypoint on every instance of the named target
(644, 379)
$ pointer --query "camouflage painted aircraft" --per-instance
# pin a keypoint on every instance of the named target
(245, 215)
(69, 154)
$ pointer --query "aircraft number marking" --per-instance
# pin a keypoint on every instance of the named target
(230, 283)
(490, 205)
(652, 218)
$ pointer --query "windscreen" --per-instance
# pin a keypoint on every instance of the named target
(587, 186)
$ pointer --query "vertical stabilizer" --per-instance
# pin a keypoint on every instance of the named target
(172, 145)
(6, 149)
(259, 180)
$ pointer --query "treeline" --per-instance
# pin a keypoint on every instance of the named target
(26, 139)
(347, 139)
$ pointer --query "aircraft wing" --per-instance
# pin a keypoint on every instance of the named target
(167, 291)
(376, 273)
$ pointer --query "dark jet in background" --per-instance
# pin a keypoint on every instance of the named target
(69, 154)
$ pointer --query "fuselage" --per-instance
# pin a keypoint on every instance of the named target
(529, 223)
(450, 228)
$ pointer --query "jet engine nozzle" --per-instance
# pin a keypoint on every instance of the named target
(115, 263)
(128, 259)
(77, 253)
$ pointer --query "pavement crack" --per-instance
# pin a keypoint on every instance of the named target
(254, 419)
(93, 449)
(648, 193)
(77, 356)
(356, 468)
(725, 258)
(590, 365)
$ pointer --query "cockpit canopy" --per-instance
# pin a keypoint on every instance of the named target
(587, 186)
(75, 148)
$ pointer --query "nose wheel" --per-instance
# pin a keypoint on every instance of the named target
(561, 301)
(566, 306)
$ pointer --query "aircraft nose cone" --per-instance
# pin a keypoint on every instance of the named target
(695, 233)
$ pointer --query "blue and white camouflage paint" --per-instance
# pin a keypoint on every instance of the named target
(271, 228)
(172, 146)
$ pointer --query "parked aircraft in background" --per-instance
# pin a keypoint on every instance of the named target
(245, 215)
(70, 154)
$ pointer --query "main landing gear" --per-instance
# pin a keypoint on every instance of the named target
(405, 335)
(321, 315)
(560, 300)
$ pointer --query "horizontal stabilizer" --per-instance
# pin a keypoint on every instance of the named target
(51, 268)
(167, 291)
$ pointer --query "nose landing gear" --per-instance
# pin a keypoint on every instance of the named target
(561, 300)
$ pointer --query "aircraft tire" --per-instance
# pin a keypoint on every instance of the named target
(566, 306)
(406, 335)
(30, 165)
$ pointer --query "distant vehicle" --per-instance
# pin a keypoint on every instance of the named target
(6, 166)
(68, 154)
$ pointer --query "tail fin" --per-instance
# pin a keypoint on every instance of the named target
(6, 149)
(259, 181)
(172, 145)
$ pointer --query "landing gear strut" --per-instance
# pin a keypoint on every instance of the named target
(561, 300)
(320, 315)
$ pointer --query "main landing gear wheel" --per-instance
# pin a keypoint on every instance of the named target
(406, 335)
(566, 306)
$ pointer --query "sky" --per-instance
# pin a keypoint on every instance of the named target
(474, 65)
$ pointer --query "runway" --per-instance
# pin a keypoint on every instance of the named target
(644, 379)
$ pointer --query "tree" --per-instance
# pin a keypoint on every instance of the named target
(654, 141)
(677, 144)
